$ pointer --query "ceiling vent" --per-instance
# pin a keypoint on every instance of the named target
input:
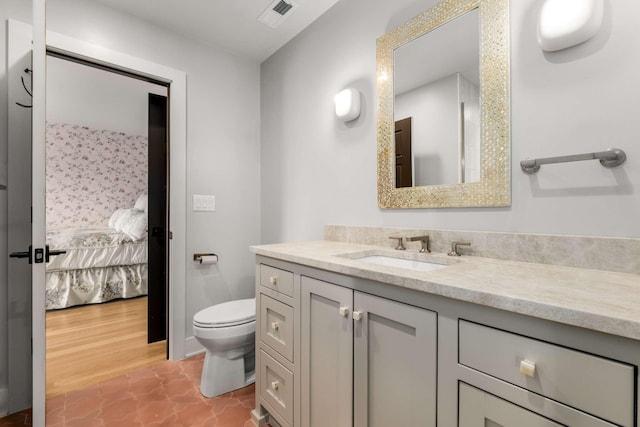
(277, 12)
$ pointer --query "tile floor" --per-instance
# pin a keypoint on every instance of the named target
(166, 394)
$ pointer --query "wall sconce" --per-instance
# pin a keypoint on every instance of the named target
(566, 23)
(347, 104)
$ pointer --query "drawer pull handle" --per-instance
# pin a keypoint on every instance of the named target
(273, 280)
(275, 385)
(528, 368)
(357, 315)
(344, 311)
(275, 326)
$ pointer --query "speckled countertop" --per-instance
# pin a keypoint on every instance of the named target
(603, 301)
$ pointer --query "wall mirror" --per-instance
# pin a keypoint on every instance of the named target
(443, 108)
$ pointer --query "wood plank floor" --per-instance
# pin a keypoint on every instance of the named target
(93, 343)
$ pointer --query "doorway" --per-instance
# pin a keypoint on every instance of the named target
(107, 212)
(29, 360)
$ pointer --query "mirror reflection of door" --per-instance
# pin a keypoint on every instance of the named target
(404, 158)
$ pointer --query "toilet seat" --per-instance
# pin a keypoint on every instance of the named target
(228, 314)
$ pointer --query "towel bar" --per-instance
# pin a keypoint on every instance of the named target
(610, 158)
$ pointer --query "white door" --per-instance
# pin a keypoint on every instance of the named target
(19, 215)
(26, 206)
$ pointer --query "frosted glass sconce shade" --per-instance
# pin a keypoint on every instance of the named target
(566, 23)
(347, 104)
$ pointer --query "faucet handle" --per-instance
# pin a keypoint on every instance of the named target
(454, 248)
(424, 240)
(400, 246)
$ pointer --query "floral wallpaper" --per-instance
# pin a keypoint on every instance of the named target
(91, 173)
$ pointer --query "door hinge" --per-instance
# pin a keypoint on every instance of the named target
(170, 235)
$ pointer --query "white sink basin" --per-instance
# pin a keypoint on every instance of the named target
(410, 264)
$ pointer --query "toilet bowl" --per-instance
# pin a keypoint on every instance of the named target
(227, 332)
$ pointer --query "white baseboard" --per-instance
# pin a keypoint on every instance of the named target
(4, 402)
(192, 347)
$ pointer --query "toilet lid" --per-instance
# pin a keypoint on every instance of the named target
(227, 314)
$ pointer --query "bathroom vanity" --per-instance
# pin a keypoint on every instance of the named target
(341, 341)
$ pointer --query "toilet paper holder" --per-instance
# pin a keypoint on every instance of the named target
(207, 258)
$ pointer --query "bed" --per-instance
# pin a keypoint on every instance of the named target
(99, 265)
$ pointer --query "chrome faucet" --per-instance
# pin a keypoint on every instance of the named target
(424, 240)
(454, 248)
(400, 246)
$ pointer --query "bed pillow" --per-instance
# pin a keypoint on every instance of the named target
(116, 217)
(132, 222)
(142, 203)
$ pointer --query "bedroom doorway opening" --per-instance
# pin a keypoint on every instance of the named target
(107, 210)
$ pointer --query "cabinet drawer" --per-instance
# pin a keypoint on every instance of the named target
(276, 326)
(479, 409)
(599, 386)
(276, 386)
(277, 279)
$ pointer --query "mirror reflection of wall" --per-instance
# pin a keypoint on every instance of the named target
(437, 84)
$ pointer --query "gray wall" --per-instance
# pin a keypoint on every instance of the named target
(316, 170)
(95, 98)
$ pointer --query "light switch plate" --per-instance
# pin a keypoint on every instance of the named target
(204, 203)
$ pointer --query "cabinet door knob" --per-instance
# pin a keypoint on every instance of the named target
(357, 315)
(344, 311)
(273, 280)
(275, 385)
(528, 368)
(275, 326)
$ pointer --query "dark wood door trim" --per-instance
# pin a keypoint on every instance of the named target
(158, 216)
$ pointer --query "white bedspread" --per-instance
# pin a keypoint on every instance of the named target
(91, 248)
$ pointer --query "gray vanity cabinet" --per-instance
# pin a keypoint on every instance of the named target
(366, 360)
(342, 351)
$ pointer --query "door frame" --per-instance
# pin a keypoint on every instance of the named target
(177, 81)
(38, 203)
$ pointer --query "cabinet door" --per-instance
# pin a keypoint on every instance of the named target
(481, 409)
(395, 348)
(326, 354)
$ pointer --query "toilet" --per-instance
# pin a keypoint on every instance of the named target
(227, 332)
